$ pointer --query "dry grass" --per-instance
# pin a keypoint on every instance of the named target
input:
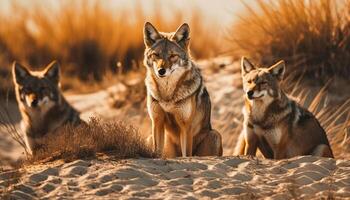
(87, 140)
(88, 39)
(68, 143)
(312, 36)
(10, 128)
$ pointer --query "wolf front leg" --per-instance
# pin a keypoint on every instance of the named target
(251, 141)
(157, 115)
(186, 142)
(240, 145)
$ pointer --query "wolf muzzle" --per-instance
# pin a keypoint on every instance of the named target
(250, 94)
(34, 103)
(161, 72)
(32, 100)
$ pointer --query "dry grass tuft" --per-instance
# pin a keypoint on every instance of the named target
(312, 36)
(115, 138)
(7, 124)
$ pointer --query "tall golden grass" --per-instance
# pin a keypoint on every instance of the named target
(313, 36)
(85, 37)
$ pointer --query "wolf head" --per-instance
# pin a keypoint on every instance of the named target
(166, 52)
(260, 84)
(37, 90)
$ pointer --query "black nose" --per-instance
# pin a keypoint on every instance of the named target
(161, 71)
(250, 94)
(34, 103)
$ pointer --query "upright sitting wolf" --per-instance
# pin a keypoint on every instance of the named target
(274, 123)
(177, 101)
(41, 103)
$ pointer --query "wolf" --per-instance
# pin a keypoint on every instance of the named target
(275, 123)
(178, 103)
(42, 106)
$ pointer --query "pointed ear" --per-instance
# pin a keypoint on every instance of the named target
(52, 72)
(182, 35)
(246, 66)
(278, 69)
(150, 34)
(19, 73)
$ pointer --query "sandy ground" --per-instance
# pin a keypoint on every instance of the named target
(189, 178)
(227, 177)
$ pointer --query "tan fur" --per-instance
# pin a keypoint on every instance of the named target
(42, 106)
(274, 123)
(177, 101)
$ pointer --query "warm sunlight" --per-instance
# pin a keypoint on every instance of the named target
(163, 99)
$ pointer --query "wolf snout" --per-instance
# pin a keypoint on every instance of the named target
(161, 71)
(250, 94)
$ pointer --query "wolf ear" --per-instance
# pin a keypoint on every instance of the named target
(52, 72)
(19, 73)
(150, 34)
(278, 69)
(182, 35)
(246, 65)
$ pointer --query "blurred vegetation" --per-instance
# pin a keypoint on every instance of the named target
(87, 39)
(312, 36)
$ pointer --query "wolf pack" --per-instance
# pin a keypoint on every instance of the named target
(179, 106)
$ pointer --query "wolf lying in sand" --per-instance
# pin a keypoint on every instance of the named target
(41, 103)
(274, 123)
(178, 102)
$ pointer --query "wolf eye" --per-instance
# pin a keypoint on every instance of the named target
(250, 81)
(173, 57)
(154, 55)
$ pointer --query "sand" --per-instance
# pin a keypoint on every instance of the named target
(186, 178)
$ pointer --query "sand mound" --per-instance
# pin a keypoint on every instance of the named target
(190, 178)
